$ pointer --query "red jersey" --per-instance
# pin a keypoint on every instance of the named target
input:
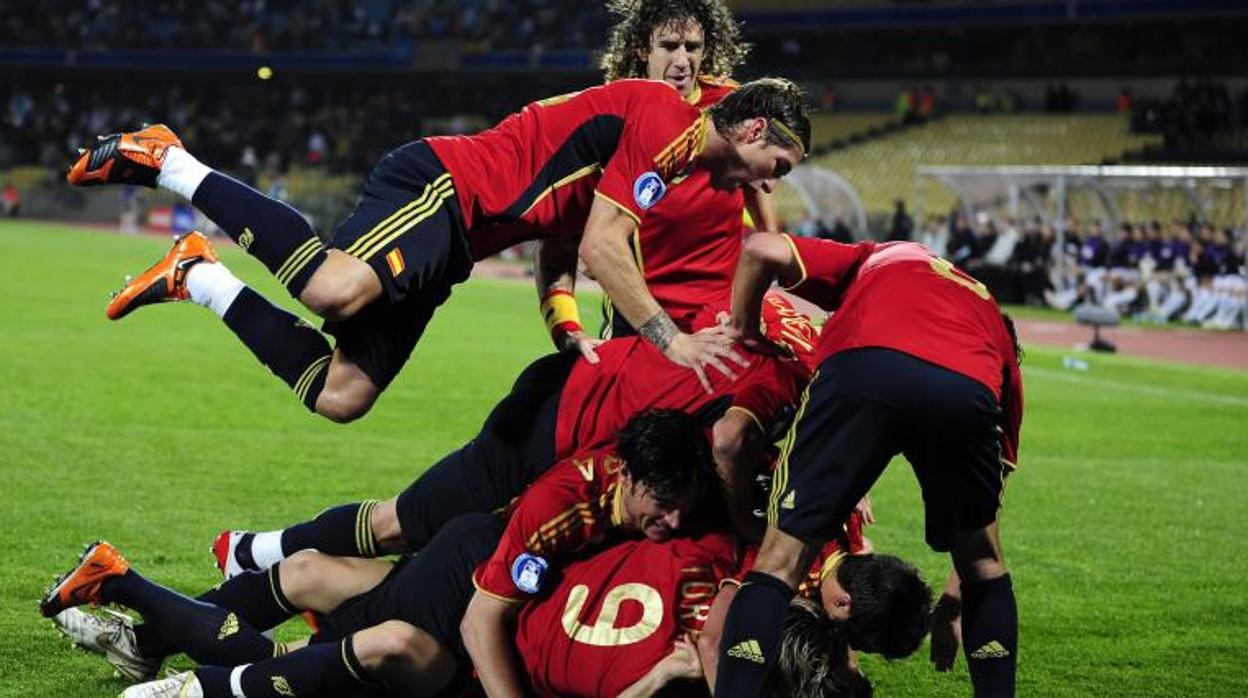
(688, 245)
(632, 376)
(899, 295)
(536, 173)
(615, 615)
(829, 556)
(572, 505)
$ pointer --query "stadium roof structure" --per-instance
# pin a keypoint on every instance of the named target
(1210, 192)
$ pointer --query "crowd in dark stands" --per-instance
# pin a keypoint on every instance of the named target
(1194, 116)
(266, 25)
(344, 124)
(1185, 271)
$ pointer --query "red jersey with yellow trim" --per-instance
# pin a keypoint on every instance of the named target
(614, 615)
(899, 295)
(848, 542)
(688, 245)
(536, 173)
(632, 376)
(572, 505)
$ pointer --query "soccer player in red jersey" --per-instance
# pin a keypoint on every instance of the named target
(917, 359)
(560, 404)
(577, 172)
(687, 245)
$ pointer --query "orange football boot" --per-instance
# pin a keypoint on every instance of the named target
(124, 158)
(81, 585)
(165, 280)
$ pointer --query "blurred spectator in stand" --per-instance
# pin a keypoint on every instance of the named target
(902, 225)
(906, 106)
(935, 235)
(11, 203)
(827, 100)
(927, 103)
(961, 246)
(1124, 103)
(838, 231)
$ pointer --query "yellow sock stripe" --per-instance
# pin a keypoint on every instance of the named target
(364, 542)
(309, 374)
(410, 222)
(399, 216)
(277, 594)
(298, 260)
(780, 480)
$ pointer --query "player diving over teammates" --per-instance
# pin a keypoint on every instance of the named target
(647, 487)
(577, 172)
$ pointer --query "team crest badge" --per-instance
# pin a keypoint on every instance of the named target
(648, 189)
(527, 573)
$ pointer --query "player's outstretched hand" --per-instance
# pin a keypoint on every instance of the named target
(578, 341)
(946, 633)
(709, 347)
(755, 341)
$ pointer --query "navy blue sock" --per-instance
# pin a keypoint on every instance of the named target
(750, 642)
(207, 633)
(291, 348)
(344, 530)
(990, 635)
(329, 669)
(274, 233)
(256, 597)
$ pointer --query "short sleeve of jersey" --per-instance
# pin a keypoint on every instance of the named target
(778, 384)
(827, 267)
(550, 518)
(659, 140)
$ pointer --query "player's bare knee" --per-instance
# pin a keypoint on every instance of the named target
(344, 403)
(386, 529)
(299, 574)
(340, 287)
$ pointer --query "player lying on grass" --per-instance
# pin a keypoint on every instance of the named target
(917, 359)
(558, 405)
(622, 622)
(591, 162)
(662, 468)
(687, 245)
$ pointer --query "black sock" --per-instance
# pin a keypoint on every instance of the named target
(256, 597)
(291, 348)
(276, 234)
(750, 642)
(209, 634)
(345, 530)
(990, 635)
(241, 597)
(329, 669)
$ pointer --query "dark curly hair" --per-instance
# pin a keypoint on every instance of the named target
(723, 48)
(889, 604)
(667, 452)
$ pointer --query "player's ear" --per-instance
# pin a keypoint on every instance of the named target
(755, 129)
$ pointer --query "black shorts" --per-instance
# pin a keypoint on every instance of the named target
(865, 406)
(515, 446)
(407, 226)
(430, 591)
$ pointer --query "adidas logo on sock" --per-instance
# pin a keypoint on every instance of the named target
(992, 650)
(749, 651)
(229, 627)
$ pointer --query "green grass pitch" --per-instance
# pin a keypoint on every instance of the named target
(1125, 527)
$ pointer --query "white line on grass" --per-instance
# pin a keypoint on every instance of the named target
(1169, 393)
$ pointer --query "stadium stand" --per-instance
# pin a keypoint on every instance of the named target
(883, 169)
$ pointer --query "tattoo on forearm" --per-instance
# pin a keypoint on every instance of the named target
(660, 330)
